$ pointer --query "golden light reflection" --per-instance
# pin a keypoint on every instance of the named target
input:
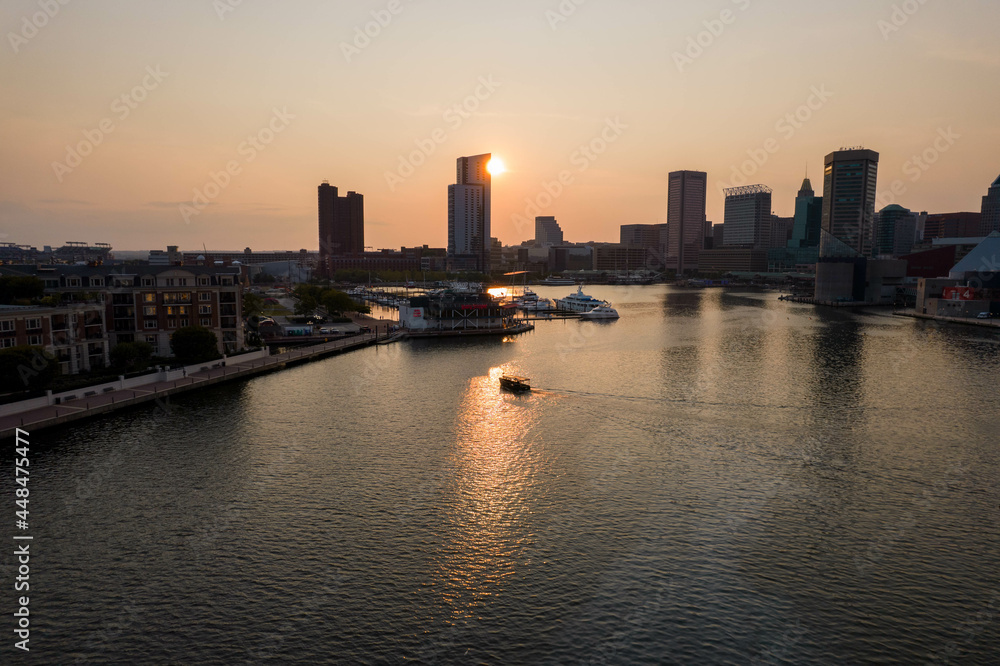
(498, 292)
(492, 494)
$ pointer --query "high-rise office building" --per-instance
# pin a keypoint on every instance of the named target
(686, 217)
(808, 217)
(802, 248)
(990, 220)
(748, 217)
(849, 198)
(341, 224)
(548, 232)
(469, 215)
(895, 231)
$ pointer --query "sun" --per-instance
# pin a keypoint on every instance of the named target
(496, 166)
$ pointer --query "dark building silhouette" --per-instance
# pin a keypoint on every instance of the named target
(686, 219)
(808, 217)
(547, 231)
(469, 215)
(341, 224)
(991, 210)
(748, 217)
(849, 198)
(952, 225)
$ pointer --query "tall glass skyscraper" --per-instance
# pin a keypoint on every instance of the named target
(849, 198)
(748, 217)
(469, 215)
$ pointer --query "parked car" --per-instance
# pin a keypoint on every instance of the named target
(984, 315)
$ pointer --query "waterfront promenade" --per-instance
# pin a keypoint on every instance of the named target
(93, 401)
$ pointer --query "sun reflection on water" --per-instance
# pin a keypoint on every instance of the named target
(491, 494)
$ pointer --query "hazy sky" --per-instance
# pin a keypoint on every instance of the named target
(155, 97)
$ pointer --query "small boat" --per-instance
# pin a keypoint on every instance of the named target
(538, 305)
(514, 383)
(601, 312)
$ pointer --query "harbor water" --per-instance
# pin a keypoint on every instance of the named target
(718, 477)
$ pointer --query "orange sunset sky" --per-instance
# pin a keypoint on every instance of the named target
(117, 113)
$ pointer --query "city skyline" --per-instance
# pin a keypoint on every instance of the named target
(162, 127)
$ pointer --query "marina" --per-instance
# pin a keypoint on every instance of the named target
(713, 475)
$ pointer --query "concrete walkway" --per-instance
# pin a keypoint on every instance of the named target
(86, 407)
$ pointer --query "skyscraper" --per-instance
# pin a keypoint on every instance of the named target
(469, 215)
(849, 198)
(808, 217)
(990, 220)
(748, 217)
(686, 219)
(895, 231)
(548, 232)
(341, 224)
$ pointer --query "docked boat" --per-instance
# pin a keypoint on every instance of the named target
(530, 302)
(552, 281)
(514, 383)
(579, 302)
(601, 312)
(538, 305)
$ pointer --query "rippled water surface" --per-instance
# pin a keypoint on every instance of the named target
(716, 478)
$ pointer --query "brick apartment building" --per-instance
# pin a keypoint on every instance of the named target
(147, 303)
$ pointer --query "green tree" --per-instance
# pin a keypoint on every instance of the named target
(131, 356)
(305, 306)
(252, 304)
(20, 288)
(27, 368)
(194, 344)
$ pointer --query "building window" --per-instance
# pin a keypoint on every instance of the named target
(149, 323)
(205, 296)
(204, 309)
(170, 282)
(149, 298)
(96, 281)
(182, 282)
(35, 340)
(147, 282)
(206, 322)
(6, 325)
(51, 284)
(184, 322)
(177, 297)
(149, 311)
(33, 324)
(203, 281)
(6, 342)
(73, 282)
(171, 323)
(151, 339)
(226, 281)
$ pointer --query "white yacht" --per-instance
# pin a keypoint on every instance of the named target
(579, 302)
(601, 312)
(537, 305)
